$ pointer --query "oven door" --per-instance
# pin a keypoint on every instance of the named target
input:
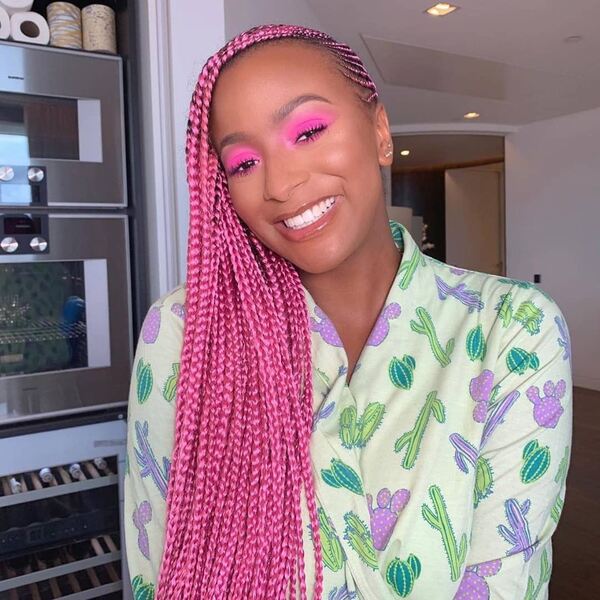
(61, 114)
(65, 320)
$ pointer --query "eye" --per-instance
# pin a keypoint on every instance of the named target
(312, 133)
(242, 168)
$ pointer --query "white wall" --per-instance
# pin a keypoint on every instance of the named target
(553, 224)
(242, 14)
(176, 38)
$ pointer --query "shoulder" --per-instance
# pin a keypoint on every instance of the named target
(513, 301)
(164, 322)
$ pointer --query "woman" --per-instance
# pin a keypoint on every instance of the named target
(322, 410)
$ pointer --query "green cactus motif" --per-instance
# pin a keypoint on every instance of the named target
(504, 309)
(519, 360)
(401, 371)
(561, 474)
(396, 233)
(484, 480)
(141, 590)
(560, 478)
(333, 553)
(401, 574)
(144, 380)
(170, 387)
(557, 508)
(476, 344)
(426, 327)
(533, 590)
(408, 269)
(529, 316)
(536, 461)
(438, 518)
(358, 535)
(324, 378)
(412, 439)
(355, 432)
(342, 475)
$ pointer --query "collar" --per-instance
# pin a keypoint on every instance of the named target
(413, 283)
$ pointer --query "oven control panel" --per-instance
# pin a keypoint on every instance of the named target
(23, 185)
(23, 233)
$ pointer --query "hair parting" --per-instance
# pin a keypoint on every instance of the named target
(241, 459)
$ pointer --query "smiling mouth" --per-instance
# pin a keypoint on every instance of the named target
(310, 215)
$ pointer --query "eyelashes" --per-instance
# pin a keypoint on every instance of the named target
(310, 134)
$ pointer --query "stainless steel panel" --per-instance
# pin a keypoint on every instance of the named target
(76, 237)
(51, 72)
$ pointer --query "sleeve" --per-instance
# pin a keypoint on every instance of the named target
(524, 454)
(150, 435)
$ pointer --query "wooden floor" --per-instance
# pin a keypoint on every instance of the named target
(576, 543)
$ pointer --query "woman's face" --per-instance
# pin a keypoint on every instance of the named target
(293, 137)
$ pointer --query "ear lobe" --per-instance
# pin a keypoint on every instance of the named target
(385, 149)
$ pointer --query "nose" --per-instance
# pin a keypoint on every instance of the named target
(283, 174)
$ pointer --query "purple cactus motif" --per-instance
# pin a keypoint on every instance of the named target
(470, 298)
(480, 389)
(547, 409)
(497, 415)
(518, 535)
(463, 450)
(178, 309)
(151, 325)
(382, 326)
(142, 515)
(385, 516)
(323, 413)
(564, 341)
(457, 271)
(473, 585)
(326, 328)
(147, 461)
(342, 594)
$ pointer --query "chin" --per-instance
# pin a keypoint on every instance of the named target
(319, 263)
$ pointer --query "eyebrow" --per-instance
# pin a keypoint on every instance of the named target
(279, 115)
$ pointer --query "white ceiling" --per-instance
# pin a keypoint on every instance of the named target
(503, 59)
(443, 150)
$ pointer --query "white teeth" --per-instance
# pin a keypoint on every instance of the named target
(310, 215)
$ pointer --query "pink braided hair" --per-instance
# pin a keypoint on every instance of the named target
(244, 399)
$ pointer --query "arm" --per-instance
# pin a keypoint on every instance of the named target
(526, 445)
(151, 425)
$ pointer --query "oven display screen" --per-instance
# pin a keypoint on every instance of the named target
(22, 225)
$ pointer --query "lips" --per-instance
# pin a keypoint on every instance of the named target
(314, 229)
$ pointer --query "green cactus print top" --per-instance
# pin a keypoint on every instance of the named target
(439, 469)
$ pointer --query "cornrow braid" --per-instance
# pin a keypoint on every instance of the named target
(244, 398)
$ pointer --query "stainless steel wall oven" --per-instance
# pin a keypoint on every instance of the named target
(65, 323)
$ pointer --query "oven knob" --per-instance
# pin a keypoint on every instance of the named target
(35, 174)
(6, 173)
(9, 244)
(39, 244)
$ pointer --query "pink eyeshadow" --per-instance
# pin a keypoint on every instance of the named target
(313, 119)
(238, 156)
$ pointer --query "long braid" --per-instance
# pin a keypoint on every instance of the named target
(244, 399)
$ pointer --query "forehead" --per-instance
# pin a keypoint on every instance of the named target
(271, 74)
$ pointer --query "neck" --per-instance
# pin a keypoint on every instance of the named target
(363, 280)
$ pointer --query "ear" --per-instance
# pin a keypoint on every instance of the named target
(383, 136)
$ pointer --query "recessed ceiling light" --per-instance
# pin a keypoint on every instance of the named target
(441, 9)
(472, 115)
(404, 152)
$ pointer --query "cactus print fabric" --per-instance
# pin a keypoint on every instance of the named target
(439, 468)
